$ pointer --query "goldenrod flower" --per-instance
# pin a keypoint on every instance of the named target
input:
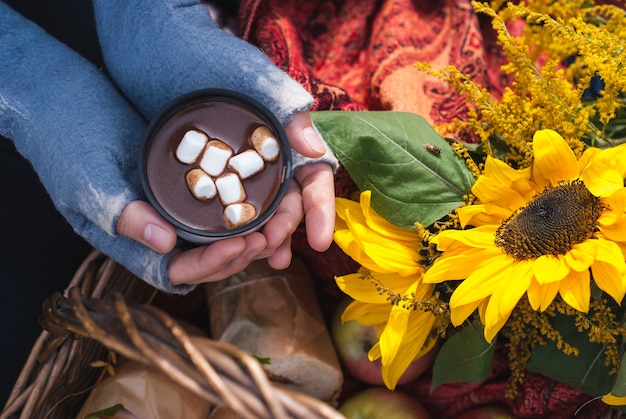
(390, 277)
(542, 231)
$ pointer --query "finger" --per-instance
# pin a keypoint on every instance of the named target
(303, 137)
(318, 200)
(216, 261)
(140, 222)
(281, 259)
(286, 219)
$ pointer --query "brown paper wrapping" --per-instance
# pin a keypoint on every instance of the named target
(146, 393)
(275, 315)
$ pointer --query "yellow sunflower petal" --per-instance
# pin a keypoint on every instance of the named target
(345, 241)
(482, 309)
(588, 155)
(393, 333)
(374, 353)
(482, 281)
(507, 176)
(541, 296)
(493, 327)
(550, 268)
(608, 278)
(388, 255)
(490, 191)
(609, 269)
(480, 237)
(582, 255)
(554, 159)
(615, 232)
(610, 252)
(382, 226)
(508, 293)
(363, 289)
(395, 330)
(614, 400)
(460, 313)
(614, 157)
(392, 258)
(419, 326)
(602, 180)
(343, 206)
(482, 214)
(575, 290)
(371, 249)
(459, 266)
(340, 224)
(616, 208)
(505, 297)
(366, 314)
(510, 179)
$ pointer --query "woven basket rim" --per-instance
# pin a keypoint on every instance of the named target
(94, 310)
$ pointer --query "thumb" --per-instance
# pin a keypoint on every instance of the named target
(303, 137)
(140, 222)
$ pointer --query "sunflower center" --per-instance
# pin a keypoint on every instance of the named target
(551, 224)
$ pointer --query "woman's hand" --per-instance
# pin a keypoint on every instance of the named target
(310, 194)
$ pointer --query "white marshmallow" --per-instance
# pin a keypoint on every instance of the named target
(200, 184)
(239, 214)
(247, 163)
(265, 143)
(230, 189)
(215, 157)
(190, 146)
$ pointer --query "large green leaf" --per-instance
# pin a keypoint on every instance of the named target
(465, 357)
(585, 372)
(386, 152)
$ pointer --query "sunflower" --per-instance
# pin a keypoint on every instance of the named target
(390, 276)
(542, 231)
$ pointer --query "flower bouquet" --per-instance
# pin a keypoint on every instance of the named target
(507, 225)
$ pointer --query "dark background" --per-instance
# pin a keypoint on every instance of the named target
(39, 251)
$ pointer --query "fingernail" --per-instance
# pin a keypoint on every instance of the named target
(313, 140)
(156, 237)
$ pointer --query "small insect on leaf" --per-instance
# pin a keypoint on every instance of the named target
(433, 149)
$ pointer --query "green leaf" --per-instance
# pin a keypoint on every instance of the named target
(465, 357)
(585, 372)
(619, 388)
(263, 361)
(386, 152)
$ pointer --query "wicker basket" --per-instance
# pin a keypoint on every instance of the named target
(108, 309)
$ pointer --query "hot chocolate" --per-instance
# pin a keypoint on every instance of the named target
(215, 164)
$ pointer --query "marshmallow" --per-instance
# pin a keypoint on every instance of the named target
(265, 143)
(230, 189)
(200, 184)
(190, 146)
(215, 158)
(239, 214)
(247, 164)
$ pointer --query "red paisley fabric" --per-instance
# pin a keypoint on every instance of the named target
(359, 55)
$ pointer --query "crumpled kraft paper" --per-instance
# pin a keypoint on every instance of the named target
(146, 393)
(275, 316)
